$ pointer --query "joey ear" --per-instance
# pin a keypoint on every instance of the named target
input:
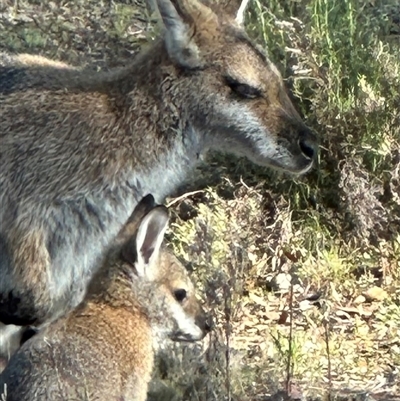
(180, 18)
(149, 238)
(236, 9)
(146, 204)
(142, 208)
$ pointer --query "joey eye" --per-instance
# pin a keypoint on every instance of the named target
(180, 295)
(242, 89)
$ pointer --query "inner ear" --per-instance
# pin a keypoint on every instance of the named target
(151, 234)
(148, 240)
(149, 243)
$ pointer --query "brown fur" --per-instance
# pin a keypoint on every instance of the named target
(104, 349)
(79, 148)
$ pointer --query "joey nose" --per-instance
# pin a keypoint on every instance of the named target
(205, 323)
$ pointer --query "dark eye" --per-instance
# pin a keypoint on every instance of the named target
(243, 90)
(180, 294)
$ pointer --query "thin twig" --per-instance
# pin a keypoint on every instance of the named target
(289, 367)
(228, 311)
(328, 354)
(184, 196)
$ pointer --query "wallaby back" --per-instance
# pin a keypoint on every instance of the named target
(104, 349)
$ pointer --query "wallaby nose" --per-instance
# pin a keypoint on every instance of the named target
(308, 146)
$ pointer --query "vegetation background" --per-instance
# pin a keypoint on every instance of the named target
(302, 274)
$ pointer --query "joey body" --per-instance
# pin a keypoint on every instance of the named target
(103, 350)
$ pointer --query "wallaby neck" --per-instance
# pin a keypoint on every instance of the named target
(172, 167)
(165, 144)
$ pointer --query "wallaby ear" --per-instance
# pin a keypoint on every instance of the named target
(180, 17)
(149, 238)
(236, 9)
(241, 11)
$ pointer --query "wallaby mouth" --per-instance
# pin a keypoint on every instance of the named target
(303, 154)
(305, 169)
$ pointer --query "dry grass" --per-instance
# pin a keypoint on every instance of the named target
(302, 275)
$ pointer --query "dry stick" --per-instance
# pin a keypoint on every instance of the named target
(184, 196)
(326, 325)
(289, 367)
(228, 311)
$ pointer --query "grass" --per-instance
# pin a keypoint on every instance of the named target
(302, 275)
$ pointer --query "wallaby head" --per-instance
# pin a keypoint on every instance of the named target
(238, 100)
(179, 314)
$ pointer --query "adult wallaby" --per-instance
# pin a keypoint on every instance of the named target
(78, 149)
(103, 350)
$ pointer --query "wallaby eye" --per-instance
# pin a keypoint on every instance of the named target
(242, 89)
(180, 295)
